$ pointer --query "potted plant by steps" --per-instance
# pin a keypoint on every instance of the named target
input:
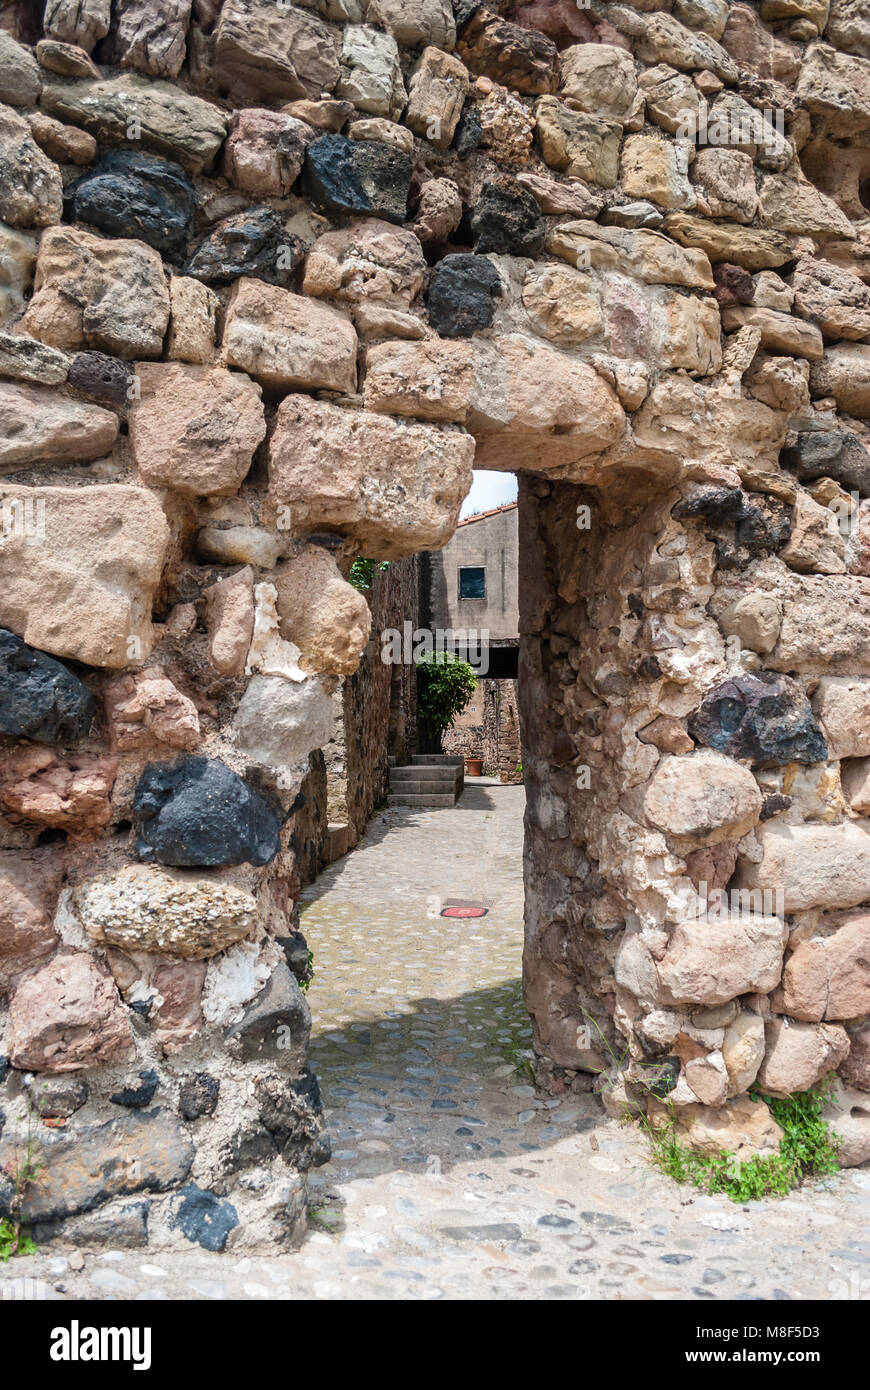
(474, 767)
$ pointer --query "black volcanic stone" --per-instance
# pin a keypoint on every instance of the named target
(833, 454)
(507, 220)
(254, 243)
(275, 1026)
(292, 1111)
(469, 131)
(342, 175)
(667, 1078)
(198, 1095)
(760, 715)
(136, 195)
(751, 521)
(202, 1217)
(39, 698)
(463, 11)
(198, 813)
(296, 953)
(101, 378)
(462, 294)
(137, 1097)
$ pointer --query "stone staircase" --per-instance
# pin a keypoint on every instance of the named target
(430, 779)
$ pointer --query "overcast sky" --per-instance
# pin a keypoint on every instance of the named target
(489, 490)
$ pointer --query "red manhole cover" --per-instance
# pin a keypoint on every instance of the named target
(465, 910)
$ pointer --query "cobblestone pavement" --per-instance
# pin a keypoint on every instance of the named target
(451, 1178)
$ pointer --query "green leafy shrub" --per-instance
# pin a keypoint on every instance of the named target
(808, 1148)
(444, 687)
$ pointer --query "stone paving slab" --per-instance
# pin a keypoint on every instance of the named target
(451, 1177)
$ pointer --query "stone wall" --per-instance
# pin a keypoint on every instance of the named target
(272, 277)
(490, 729)
(376, 716)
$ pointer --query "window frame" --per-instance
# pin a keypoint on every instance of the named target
(470, 598)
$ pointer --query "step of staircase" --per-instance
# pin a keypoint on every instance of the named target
(421, 799)
(442, 759)
(447, 775)
(427, 781)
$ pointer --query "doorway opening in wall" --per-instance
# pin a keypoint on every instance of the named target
(421, 1038)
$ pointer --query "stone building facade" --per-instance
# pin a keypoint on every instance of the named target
(273, 277)
(472, 598)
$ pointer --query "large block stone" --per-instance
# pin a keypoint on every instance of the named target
(797, 1055)
(762, 716)
(29, 885)
(31, 188)
(84, 588)
(141, 908)
(358, 176)
(67, 1015)
(710, 962)
(828, 976)
(812, 865)
(90, 292)
(172, 122)
(40, 699)
(275, 1026)
(702, 798)
(147, 1152)
(39, 425)
(286, 340)
(198, 813)
(138, 196)
(394, 488)
(267, 52)
(195, 429)
(556, 412)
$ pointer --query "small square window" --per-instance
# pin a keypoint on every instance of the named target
(472, 581)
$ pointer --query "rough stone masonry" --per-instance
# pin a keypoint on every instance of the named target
(272, 278)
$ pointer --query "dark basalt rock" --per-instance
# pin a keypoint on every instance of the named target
(202, 1217)
(275, 1025)
(247, 1148)
(198, 1095)
(56, 1098)
(117, 1227)
(136, 195)
(293, 1112)
(752, 522)
(353, 176)
(463, 10)
(86, 1169)
(137, 1097)
(662, 1084)
(462, 294)
(835, 454)
(101, 378)
(197, 813)
(469, 131)
(507, 220)
(253, 243)
(39, 698)
(295, 950)
(4, 1069)
(760, 715)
